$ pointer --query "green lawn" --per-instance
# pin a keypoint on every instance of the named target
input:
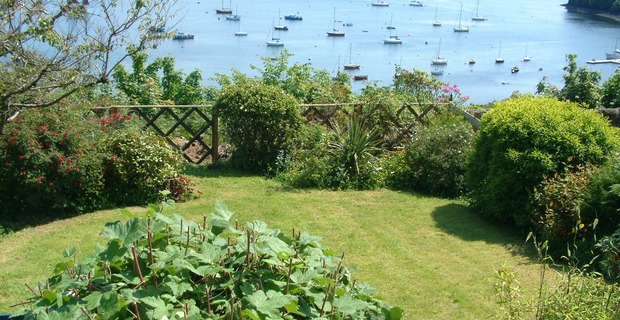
(432, 257)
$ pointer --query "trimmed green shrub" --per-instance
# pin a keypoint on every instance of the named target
(165, 267)
(50, 164)
(260, 121)
(435, 158)
(521, 142)
(138, 165)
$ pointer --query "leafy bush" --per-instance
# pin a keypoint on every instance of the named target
(435, 158)
(300, 80)
(260, 121)
(139, 165)
(181, 188)
(50, 164)
(306, 165)
(559, 217)
(522, 141)
(163, 267)
(395, 110)
(558, 202)
(380, 107)
(602, 196)
(609, 247)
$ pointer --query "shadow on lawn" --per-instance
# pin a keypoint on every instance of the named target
(460, 221)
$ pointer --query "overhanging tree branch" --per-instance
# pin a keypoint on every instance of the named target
(50, 49)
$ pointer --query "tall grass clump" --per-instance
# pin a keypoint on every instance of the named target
(565, 290)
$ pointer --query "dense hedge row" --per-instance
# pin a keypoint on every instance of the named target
(59, 161)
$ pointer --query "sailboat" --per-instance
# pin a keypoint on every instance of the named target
(438, 60)
(336, 71)
(461, 28)
(351, 65)
(392, 39)
(436, 72)
(526, 57)
(234, 17)
(499, 58)
(274, 41)
(334, 32)
(416, 3)
(280, 26)
(380, 3)
(436, 23)
(224, 10)
(614, 54)
(478, 17)
(240, 33)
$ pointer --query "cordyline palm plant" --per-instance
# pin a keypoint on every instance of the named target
(356, 145)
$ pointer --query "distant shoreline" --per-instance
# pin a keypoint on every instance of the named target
(598, 13)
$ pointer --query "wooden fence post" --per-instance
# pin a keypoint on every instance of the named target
(215, 138)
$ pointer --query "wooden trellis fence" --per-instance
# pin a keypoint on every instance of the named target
(196, 149)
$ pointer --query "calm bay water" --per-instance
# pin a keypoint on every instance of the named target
(542, 27)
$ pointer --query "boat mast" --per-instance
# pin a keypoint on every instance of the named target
(460, 14)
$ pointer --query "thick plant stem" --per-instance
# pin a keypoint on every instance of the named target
(329, 286)
(136, 263)
(288, 274)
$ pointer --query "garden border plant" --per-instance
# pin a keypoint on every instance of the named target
(165, 267)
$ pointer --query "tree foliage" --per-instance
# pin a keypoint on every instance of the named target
(159, 82)
(50, 49)
(581, 85)
(302, 81)
(604, 5)
(611, 92)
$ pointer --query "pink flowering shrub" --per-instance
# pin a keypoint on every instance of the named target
(419, 87)
(49, 164)
(55, 162)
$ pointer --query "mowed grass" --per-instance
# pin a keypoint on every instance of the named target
(432, 257)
